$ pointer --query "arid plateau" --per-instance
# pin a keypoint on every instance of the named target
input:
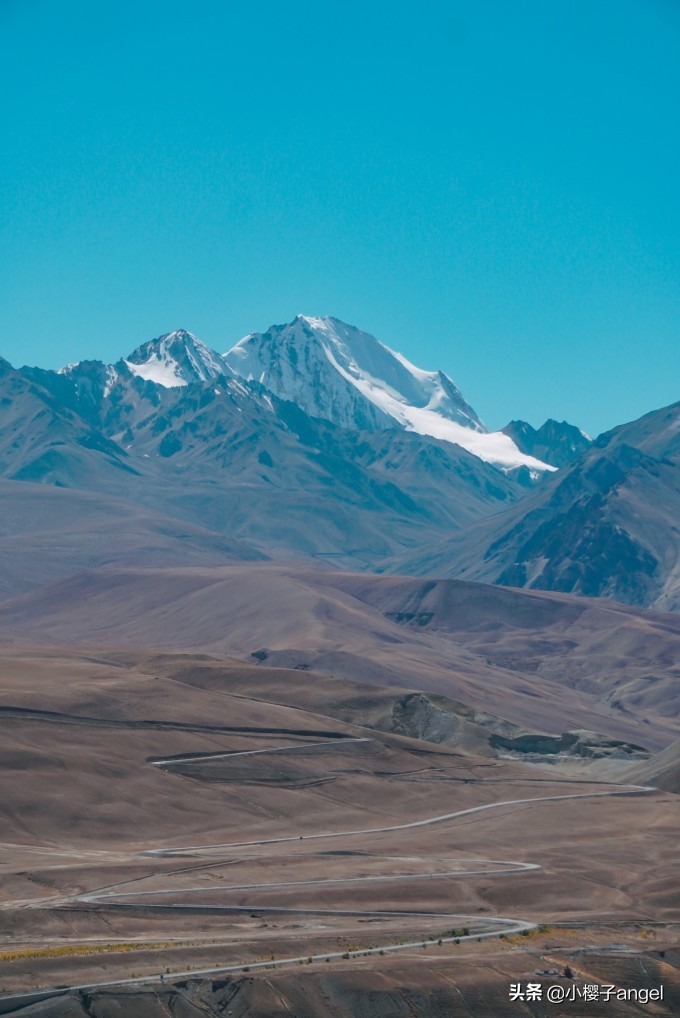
(259, 834)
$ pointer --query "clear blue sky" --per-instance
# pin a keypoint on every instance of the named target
(490, 187)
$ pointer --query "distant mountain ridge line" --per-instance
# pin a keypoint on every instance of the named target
(315, 439)
(330, 370)
(255, 473)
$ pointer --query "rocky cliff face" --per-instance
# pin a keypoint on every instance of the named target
(557, 443)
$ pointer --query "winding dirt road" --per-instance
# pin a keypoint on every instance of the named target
(488, 927)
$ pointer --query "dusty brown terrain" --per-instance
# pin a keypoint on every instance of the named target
(545, 661)
(259, 790)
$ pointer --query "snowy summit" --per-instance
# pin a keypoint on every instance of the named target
(176, 359)
(335, 371)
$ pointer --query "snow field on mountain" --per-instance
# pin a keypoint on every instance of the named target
(159, 369)
(491, 446)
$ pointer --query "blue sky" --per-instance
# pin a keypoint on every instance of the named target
(491, 188)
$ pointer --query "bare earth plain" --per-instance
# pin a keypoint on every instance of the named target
(318, 825)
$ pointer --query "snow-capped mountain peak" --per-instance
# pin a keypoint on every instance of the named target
(305, 361)
(176, 359)
(338, 372)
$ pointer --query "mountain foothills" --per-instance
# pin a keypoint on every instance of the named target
(315, 439)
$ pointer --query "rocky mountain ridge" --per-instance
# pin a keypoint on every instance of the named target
(233, 459)
(605, 526)
(187, 434)
(555, 442)
(329, 370)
